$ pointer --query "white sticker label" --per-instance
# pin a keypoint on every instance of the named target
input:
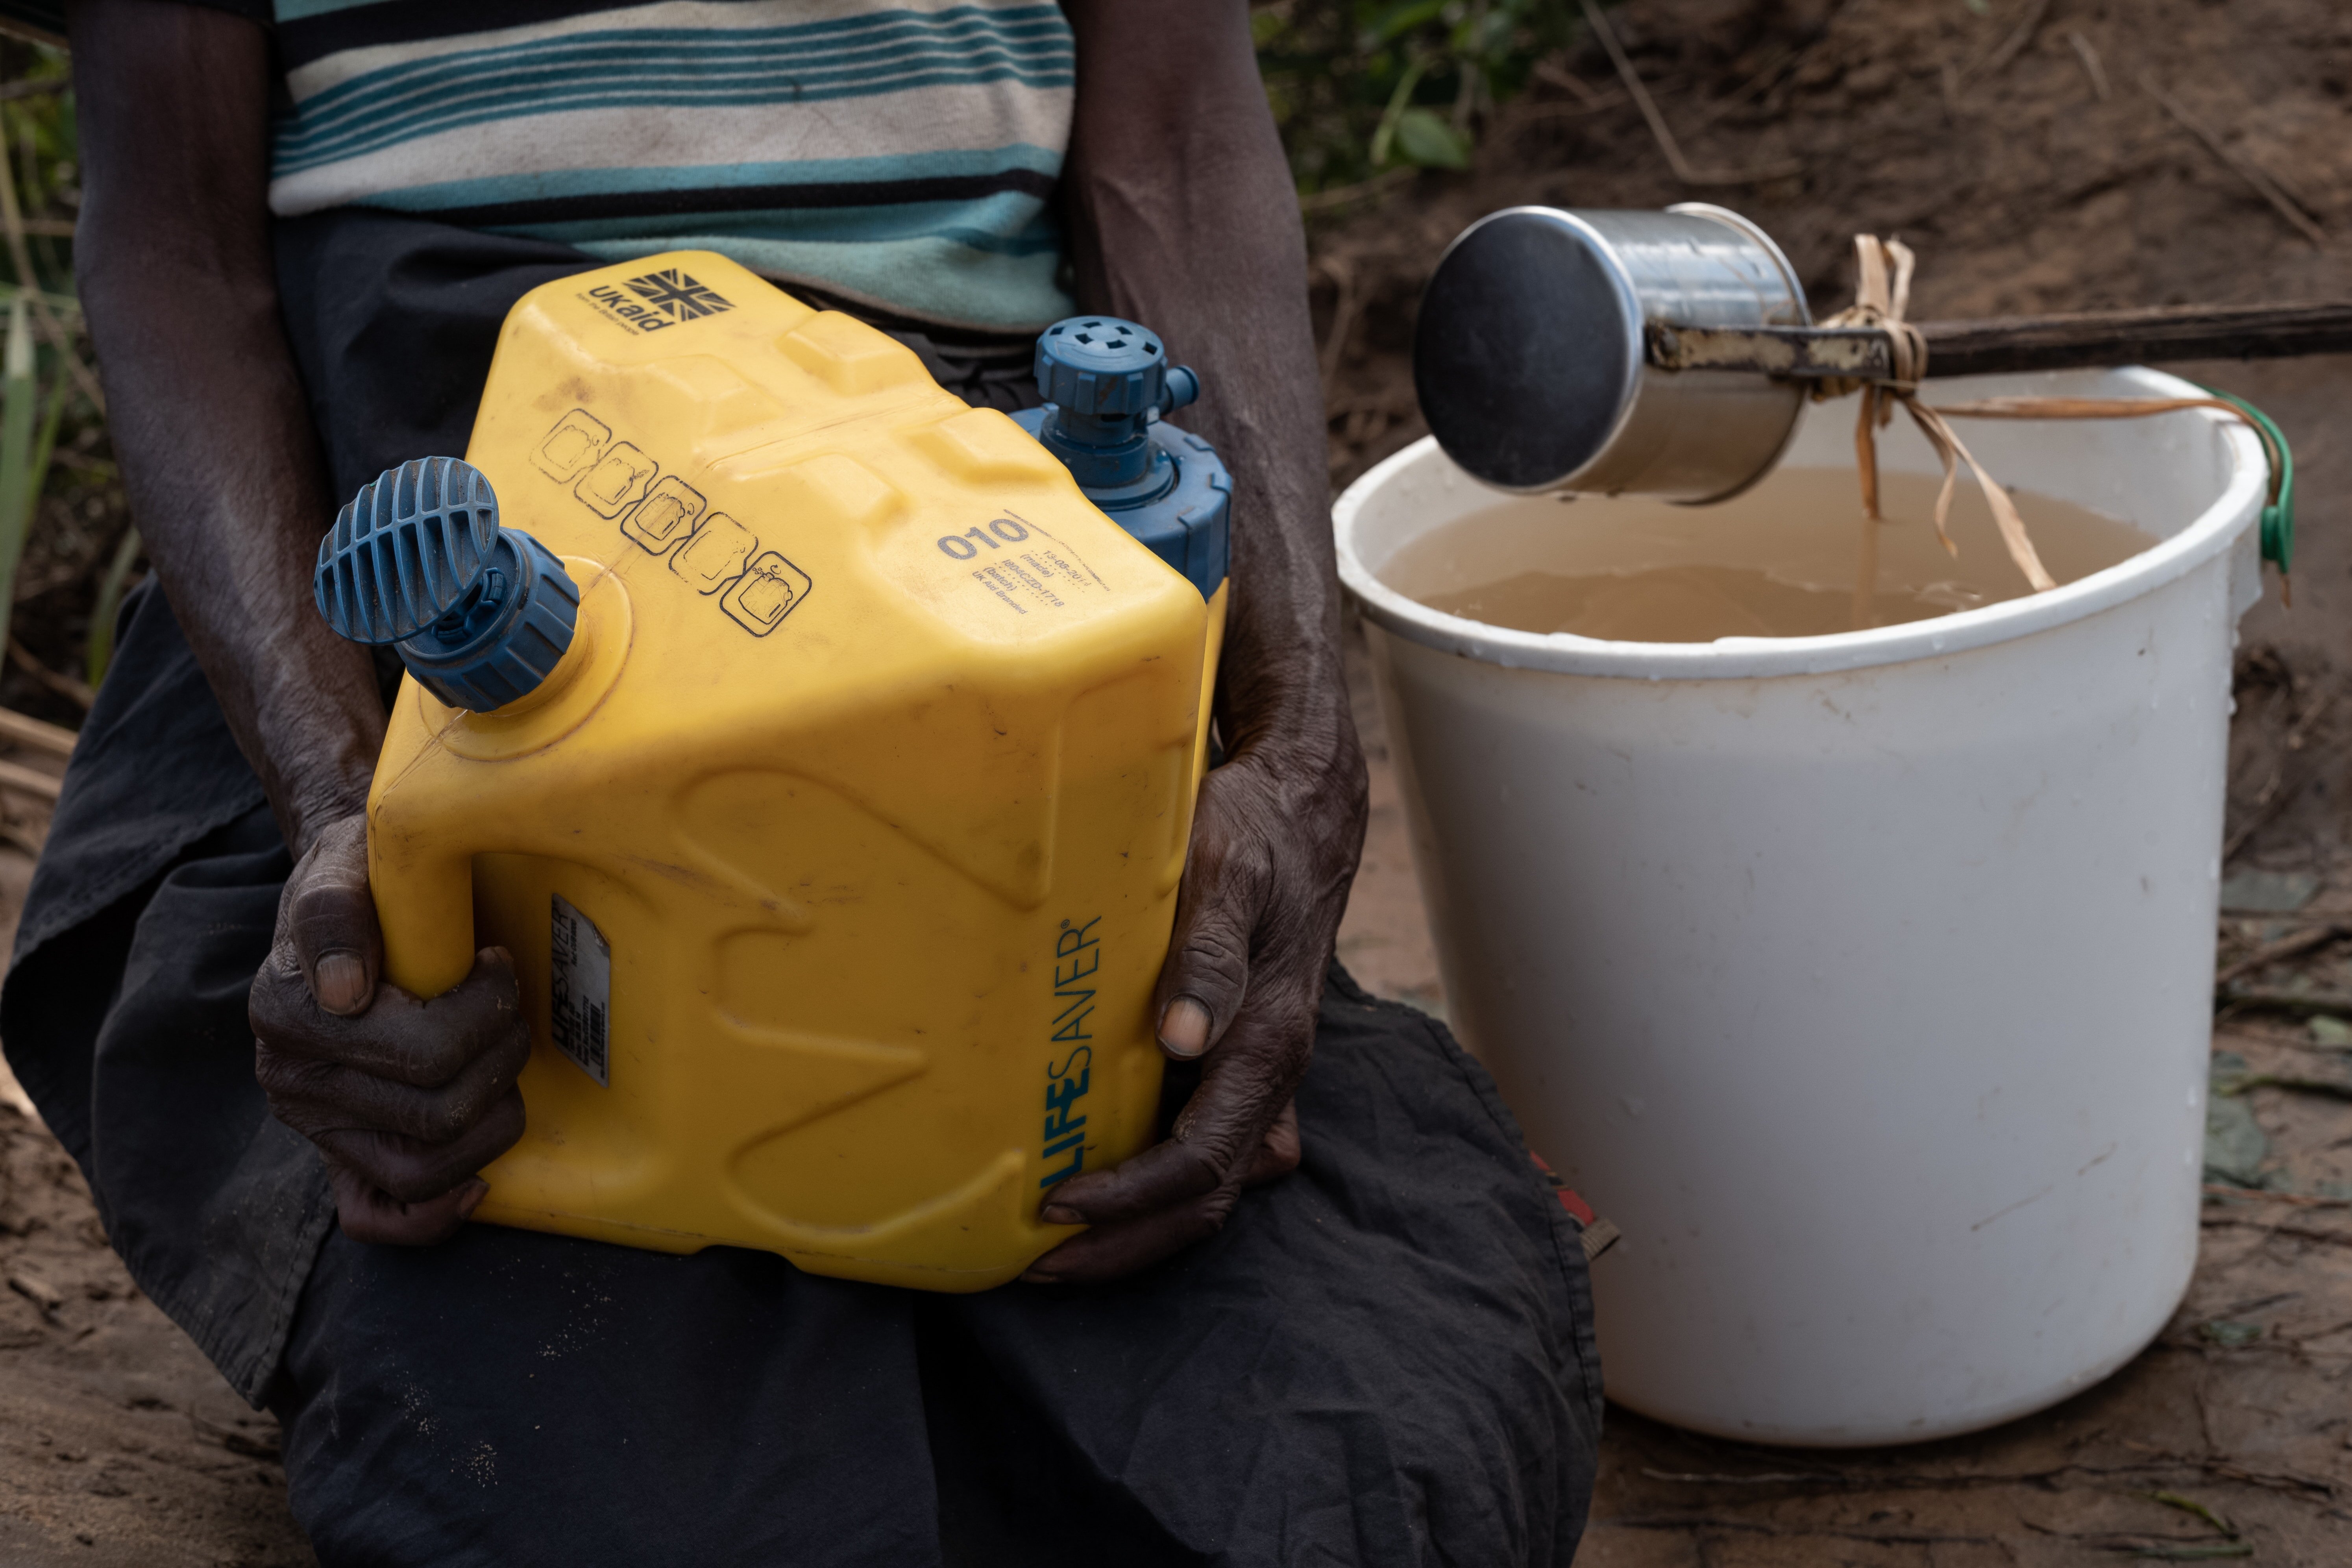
(581, 983)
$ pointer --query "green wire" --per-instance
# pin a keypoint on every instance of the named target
(2278, 516)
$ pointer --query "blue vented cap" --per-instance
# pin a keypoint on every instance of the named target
(479, 613)
(1105, 382)
(1101, 368)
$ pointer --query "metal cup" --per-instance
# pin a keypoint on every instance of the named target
(1530, 358)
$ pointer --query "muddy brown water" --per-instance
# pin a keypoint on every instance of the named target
(1791, 558)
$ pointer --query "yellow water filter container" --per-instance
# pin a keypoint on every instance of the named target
(837, 849)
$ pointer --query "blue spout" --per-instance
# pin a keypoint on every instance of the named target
(480, 615)
(1107, 382)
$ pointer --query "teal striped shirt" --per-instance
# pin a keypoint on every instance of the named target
(902, 156)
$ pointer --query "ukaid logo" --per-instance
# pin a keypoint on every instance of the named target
(665, 299)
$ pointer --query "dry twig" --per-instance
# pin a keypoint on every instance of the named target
(37, 733)
(1345, 302)
(2245, 169)
(1525, 116)
(2009, 48)
(2091, 68)
(1795, 1531)
(1559, 76)
(2297, 1200)
(1658, 130)
(44, 1296)
(1763, 81)
(28, 781)
(2270, 1228)
(2162, 1462)
(2298, 1004)
(1338, 196)
(65, 686)
(2284, 948)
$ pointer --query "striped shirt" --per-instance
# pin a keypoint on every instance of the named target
(899, 155)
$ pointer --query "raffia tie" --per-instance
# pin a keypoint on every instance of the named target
(1881, 299)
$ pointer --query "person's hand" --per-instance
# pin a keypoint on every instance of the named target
(1274, 842)
(405, 1099)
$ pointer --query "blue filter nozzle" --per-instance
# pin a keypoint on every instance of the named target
(1107, 383)
(480, 614)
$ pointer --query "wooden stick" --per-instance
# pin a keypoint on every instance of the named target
(37, 733)
(2011, 344)
(2129, 337)
(31, 781)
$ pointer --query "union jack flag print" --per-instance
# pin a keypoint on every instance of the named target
(677, 295)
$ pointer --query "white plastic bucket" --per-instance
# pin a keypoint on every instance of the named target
(1864, 981)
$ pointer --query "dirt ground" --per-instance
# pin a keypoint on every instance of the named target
(2017, 146)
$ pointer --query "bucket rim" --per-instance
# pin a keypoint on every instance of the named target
(2212, 531)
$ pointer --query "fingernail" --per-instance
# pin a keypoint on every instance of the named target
(1061, 1213)
(1040, 1276)
(475, 1192)
(1185, 1028)
(341, 981)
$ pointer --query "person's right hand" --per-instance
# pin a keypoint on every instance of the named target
(405, 1099)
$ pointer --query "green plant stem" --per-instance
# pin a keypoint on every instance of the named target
(110, 602)
(45, 445)
(18, 394)
(1398, 99)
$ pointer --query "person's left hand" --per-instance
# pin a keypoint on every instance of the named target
(1274, 843)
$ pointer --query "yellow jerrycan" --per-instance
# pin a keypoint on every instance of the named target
(823, 752)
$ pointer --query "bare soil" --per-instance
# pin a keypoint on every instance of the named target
(2024, 187)
(119, 1443)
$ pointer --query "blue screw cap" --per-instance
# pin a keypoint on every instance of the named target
(1107, 382)
(480, 614)
(406, 549)
(1100, 368)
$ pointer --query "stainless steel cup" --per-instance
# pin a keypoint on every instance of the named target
(1530, 356)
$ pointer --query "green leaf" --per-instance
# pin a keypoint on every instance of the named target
(1401, 19)
(1423, 138)
(2231, 1335)
(2235, 1146)
(19, 399)
(2330, 1031)
(2190, 1505)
